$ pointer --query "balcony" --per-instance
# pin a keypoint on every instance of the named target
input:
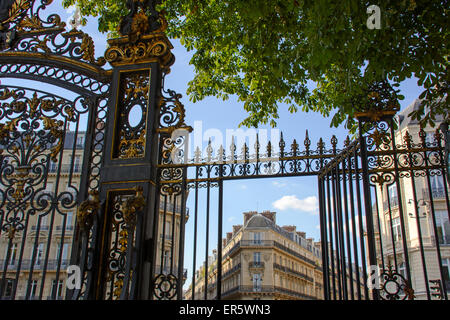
(256, 265)
(267, 289)
(231, 271)
(26, 264)
(41, 228)
(444, 240)
(267, 243)
(65, 168)
(67, 228)
(292, 272)
(438, 194)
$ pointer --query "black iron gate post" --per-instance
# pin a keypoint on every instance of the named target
(370, 230)
(125, 233)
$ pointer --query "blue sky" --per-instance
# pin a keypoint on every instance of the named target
(293, 198)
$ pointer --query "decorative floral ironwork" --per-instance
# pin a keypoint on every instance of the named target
(395, 286)
(134, 92)
(165, 286)
(132, 206)
(31, 136)
(24, 30)
(143, 38)
(87, 210)
(378, 101)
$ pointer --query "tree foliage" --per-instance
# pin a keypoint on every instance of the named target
(268, 53)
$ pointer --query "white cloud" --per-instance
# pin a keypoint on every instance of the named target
(308, 204)
(279, 184)
(243, 187)
(230, 219)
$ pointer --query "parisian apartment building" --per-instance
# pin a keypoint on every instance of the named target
(427, 235)
(263, 261)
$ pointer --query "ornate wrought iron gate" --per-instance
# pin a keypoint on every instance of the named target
(72, 150)
(388, 184)
(75, 151)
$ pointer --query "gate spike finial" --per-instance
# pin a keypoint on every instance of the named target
(407, 138)
(257, 146)
(320, 146)
(245, 151)
(422, 136)
(307, 142)
(209, 151)
(232, 149)
(197, 155)
(438, 137)
(334, 142)
(347, 141)
(221, 154)
(269, 149)
(294, 148)
(282, 144)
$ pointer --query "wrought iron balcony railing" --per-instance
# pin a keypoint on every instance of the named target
(267, 289)
(445, 240)
(65, 168)
(268, 243)
(39, 264)
(292, 272)
(438, 193)
(67, 228)
(256, 264)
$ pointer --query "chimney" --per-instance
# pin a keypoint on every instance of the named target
(301, 234)
(269, 215)
(289, 228)
(248, 215)
(236, 228)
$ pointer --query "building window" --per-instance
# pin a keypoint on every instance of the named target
(12, 254)
(257, 237)
(57, 288)
(39, 254)
(257, 279)
(402, 269)
(33, 288)
(443, 227)
(63, 253)
(69, 218)
(437, 184)
(80, 141)
(392, 194)
(446, 272)
(77, 164)
(8, 288)
(44, 222)
(53, 166)
(257, 257)
(396, 229)
(166, 260)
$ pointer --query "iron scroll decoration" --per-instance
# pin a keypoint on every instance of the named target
(395, 286)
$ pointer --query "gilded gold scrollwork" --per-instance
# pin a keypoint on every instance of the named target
(87, 210)
(132, 206)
